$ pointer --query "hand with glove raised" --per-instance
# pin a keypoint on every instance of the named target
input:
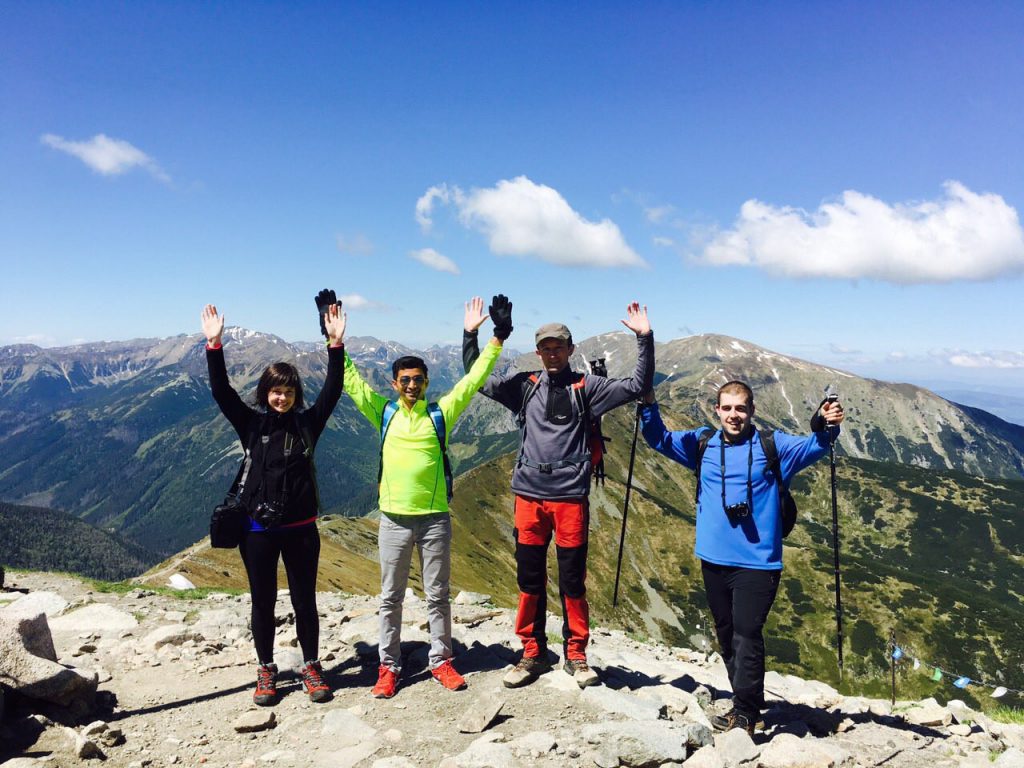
(324, 301)
(501, 315)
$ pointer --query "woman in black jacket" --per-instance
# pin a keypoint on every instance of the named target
(280, 494)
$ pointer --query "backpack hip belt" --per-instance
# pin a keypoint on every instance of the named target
(546, 467)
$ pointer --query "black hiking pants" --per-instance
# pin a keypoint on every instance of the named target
(299, 548)
(740, 599)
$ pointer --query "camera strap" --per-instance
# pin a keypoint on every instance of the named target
(750, 469)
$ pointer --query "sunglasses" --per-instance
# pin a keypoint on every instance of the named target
(406, 380)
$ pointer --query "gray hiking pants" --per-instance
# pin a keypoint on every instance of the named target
(432, 536)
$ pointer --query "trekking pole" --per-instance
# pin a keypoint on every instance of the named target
(835, 540)
(625, 505)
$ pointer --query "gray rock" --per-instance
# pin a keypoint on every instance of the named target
(735, 747)
(483, 753)
(172, 634)
(345, 729)
(481, 713)
(28, 631)
(788, 751)
(49, 603)
(1011, 758)
(38, 677)
(928, 713)
(705, 757)
(87, 749)
(640, 745)
(253, 720)
(471, 598)
(535, 744)
(619, 703)
(97, 618)
(394, 762)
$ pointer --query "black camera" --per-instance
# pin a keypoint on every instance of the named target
(737, 512)
(269, 513)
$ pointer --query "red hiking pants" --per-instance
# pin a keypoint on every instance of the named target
(535, 522)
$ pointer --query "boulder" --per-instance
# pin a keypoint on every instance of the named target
(40, 677)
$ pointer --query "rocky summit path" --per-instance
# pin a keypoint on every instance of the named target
(176, 676)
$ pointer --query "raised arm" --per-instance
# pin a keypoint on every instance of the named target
(230, 404)
(212, 324)
(606, 394)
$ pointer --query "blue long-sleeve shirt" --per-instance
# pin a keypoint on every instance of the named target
(756, 540)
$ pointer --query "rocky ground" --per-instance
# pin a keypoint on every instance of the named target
(175, 679)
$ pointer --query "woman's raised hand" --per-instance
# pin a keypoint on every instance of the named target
(213, 325)
(334, 323)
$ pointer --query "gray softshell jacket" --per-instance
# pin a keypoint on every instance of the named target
(554, 427)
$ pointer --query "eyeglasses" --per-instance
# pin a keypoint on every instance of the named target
(406, 380)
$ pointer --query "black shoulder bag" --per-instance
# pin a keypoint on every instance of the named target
(229, 519)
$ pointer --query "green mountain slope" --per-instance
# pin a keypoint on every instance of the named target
(45, 539)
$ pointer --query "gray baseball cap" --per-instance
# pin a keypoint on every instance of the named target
(553, 331)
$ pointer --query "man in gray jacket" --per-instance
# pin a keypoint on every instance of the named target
(551, 480)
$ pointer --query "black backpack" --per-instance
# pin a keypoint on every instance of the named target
(787, 504)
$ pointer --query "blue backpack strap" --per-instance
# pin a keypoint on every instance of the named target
(440, 431)
(390, 409)
(437, 418)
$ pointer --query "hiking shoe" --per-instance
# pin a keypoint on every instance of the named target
(525, 672)
(446, 675)
(734, 719)
(266, 685)
(581, 672)
(313, 682)
(387, 683)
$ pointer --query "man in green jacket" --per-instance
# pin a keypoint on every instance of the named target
(414, 501)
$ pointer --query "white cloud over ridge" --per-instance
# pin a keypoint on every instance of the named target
(437, 261)
(962, 235)
(988, 359)
(355, 301)
(522, 218)
(107, 156)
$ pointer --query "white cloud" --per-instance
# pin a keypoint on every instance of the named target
(431, 258)
(989, 359)
(658, 214)
(425, 204)
(664, 242)
(107, 156)
(521, 218)
(960, 236)
(354, 301)
(356, 245)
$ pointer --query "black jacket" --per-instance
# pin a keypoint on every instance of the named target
(273, 477)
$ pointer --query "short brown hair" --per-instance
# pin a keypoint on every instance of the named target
(736, 388)
(279, 375)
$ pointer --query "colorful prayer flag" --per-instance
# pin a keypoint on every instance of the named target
(897, 653)
(962, 682)
(937, 674)
(1000, 691)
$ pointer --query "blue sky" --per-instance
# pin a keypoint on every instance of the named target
(841, 182)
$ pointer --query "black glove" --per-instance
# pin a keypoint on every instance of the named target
(501, 315)
(817, 420)
(324, 300)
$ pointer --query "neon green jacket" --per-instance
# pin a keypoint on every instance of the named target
(412, 481)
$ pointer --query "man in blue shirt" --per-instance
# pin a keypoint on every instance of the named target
(739, 528)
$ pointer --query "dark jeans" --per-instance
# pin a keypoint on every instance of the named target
(299, 548)
(740, 599)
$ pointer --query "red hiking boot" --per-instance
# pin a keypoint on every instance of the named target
(266, 685)
(387, 683)
(313, 682)
(446, 675)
